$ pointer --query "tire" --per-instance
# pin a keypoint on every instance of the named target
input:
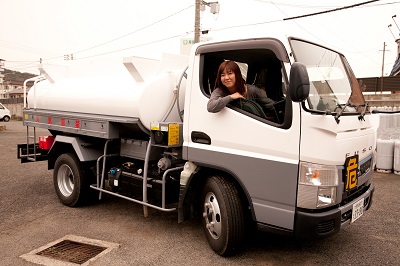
(70, 182)
(6, 118)
(223, 216)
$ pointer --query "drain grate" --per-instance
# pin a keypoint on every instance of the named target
(72, 251)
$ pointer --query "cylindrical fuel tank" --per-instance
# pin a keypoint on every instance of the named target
(111, 93)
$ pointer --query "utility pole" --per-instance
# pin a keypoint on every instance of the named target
(1, 73)
(200, 6)
(383, 64)
(197, 21)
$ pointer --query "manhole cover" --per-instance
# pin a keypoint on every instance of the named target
(72, 251)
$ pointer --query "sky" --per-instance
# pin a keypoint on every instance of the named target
(34, 30)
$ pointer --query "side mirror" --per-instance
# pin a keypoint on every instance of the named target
(299, 83)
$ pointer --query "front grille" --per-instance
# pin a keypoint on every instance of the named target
(353, 194)
(365, 167)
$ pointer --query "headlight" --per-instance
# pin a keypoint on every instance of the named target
(318, 175)
(317, 185)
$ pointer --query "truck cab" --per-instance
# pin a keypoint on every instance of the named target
(305, 168)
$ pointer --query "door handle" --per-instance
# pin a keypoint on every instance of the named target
(200, 137)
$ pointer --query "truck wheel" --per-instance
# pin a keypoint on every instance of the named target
(6, 119)
(223, 216)
(69, 180)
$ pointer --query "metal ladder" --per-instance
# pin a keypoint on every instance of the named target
(30, 156)
(31, 146)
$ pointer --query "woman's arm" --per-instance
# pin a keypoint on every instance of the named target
(218, 101)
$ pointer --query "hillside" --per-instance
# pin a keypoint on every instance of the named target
(16, 75)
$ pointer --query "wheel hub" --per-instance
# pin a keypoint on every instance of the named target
(65, 178)
(212, 215)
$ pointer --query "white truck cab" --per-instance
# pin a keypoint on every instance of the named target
(5, 114)
(305, 167)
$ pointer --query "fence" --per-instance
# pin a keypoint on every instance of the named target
(12, 101)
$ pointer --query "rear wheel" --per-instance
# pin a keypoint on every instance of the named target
(223, 217)
(70, 180)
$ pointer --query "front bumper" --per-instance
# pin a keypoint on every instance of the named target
(323, 224)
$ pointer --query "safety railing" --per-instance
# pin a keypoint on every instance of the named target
(35, 80)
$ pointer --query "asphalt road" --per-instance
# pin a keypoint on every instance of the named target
(32, 216)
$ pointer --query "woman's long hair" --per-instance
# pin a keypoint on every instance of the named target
(232, 66)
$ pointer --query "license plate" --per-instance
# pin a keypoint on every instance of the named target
(358, 210)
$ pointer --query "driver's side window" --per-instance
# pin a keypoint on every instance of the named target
(262, 73)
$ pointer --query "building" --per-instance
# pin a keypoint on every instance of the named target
(12, 88)
(396, 67)
(389, 84)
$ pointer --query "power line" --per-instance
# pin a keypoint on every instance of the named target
(229, 27)
(123, 36)
(293, 5)
(337, 9)
(10, 61)
(332, 10)
(23, 67)
(308, 15)
(22, 47)
(297, 17)
(296, 22)
(136, 46)
(314, 6)
(247, 25)
(135, 31)
(33, 63)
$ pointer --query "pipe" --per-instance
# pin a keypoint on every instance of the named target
(177, 93)
(163, 184)
(104, 166)
(146, 167)
(35, 79)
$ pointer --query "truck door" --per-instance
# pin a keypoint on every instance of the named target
(261, 153)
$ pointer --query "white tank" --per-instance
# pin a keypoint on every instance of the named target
(396, 157)
(397, 117)
(384, 121)
(137, 88)
(384, 155)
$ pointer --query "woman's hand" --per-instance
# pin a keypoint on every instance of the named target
(236, 95)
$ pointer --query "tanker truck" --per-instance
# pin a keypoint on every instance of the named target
(139, 129)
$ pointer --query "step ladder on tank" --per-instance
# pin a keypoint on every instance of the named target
(30, 152)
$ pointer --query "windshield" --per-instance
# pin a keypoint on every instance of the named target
(333, 87)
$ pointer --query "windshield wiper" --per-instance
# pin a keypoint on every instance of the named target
(361, 116)
(341, 111)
